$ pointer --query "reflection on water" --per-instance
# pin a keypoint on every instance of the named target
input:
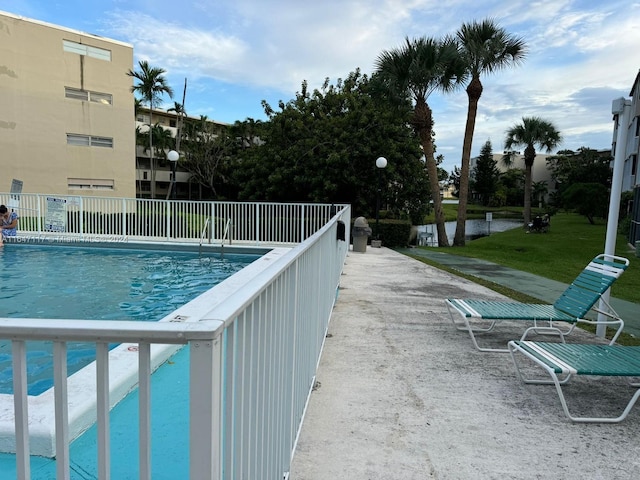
(474, 229)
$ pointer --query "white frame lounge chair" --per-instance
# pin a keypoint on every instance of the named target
(571, 308)
(564, 360)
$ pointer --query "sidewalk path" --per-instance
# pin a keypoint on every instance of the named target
(535, 286)
(403, 395)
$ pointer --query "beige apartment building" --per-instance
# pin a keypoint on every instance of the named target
(539, 169)
(67, 123)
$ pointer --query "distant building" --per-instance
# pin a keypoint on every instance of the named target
(539, 170)
(67, 124)
(162, 169)
(631, 180)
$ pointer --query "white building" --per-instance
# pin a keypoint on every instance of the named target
(631, 180)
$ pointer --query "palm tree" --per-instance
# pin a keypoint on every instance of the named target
(178, 108)
(160, 138)
(531, 133)
(136, 108)
(151, 86)
(417, 69)
(486, 48)
(538, 191)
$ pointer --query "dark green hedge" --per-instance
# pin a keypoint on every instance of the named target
(393, 233)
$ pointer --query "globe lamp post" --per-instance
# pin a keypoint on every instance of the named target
(173, 156)
(381, 163)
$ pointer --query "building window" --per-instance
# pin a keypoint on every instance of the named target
(76, 94)
(86, 95)
(79, 140)
(90, 183)
(89, 140)
(102, 142)
(89, 51)
(104, 98)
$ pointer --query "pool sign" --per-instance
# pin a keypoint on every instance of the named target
(55, 219)
(14, 196)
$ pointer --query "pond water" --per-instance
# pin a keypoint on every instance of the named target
(474, 229)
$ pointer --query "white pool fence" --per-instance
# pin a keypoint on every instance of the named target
(254, 223)
(253, 357)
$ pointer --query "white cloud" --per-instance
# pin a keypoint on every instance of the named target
(579, 54)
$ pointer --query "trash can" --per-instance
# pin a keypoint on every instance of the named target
(361, 233)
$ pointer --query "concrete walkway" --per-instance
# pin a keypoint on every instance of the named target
(403, 395)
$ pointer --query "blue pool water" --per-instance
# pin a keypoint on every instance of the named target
(98, 284)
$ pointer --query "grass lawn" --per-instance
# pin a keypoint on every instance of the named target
(559, 254)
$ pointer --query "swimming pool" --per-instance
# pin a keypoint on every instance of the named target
(62, 282)
(123, 359)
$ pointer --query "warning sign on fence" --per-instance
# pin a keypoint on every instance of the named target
(55, 219)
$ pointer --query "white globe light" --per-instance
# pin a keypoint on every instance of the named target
(173, 156)
(381, 162)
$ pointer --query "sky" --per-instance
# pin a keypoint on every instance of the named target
(236, 53)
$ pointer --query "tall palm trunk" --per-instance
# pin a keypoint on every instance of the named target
(152, 167)
(423, 124)
(529, 157)
(474, 91)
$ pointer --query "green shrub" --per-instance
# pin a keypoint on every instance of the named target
(393, 233)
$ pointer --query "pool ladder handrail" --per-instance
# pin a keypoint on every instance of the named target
(225, 234)
(204, 230)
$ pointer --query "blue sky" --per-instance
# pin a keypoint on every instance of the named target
(236, 53)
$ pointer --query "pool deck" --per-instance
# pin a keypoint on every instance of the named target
(402, 394)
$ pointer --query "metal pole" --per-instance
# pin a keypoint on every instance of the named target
(173, 181)
(621, 108)
(381, 163)
(378, 204)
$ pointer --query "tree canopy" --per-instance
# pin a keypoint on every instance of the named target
(486, 175)
(583, 179)
(322, 146)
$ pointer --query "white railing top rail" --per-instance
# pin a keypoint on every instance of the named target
(116, 331)
(6, 196)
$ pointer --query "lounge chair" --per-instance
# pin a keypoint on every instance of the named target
(572, 306)
(564, 360)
